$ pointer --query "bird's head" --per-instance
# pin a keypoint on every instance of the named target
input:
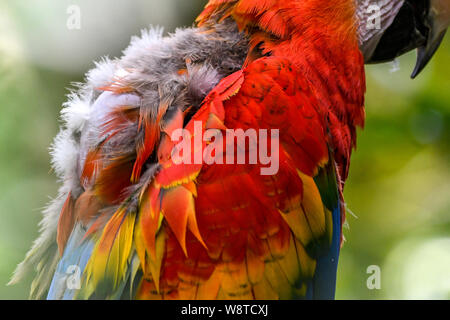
(390, 28)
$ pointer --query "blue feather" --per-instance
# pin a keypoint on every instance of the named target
(323, 285)
(75, 257)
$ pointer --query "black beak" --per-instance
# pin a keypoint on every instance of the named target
(436, 22)
(420, 24)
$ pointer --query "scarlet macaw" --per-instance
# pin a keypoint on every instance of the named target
(133, 223)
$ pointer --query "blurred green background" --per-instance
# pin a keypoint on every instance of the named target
(399, 184)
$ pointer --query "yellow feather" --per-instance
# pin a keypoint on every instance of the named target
(278, 280)
(264, 291)
(313, 205)
(255, 267)
(307, 264)
(140, 244)
(187, 291)
(235, 282)
(109, 261)
(154, 265)
(289, 264)
(209, 289)
(297, 222)
(308, 222)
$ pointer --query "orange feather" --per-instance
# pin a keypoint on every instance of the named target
(65, 223)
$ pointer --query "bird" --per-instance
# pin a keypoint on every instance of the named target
(143, 215)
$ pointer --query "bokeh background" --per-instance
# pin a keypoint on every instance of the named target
(399, 185)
